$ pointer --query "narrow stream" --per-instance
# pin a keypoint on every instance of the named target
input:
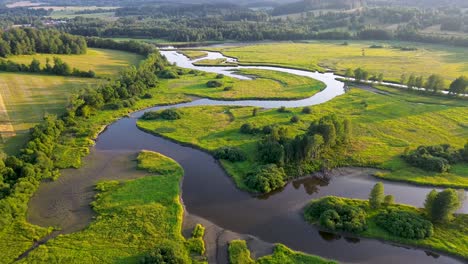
(209, 193)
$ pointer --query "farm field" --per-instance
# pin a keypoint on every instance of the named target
(104, 62)
(383, 127)
(450, 62)
(27, 97)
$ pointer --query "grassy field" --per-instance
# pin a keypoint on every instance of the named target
(450, 62)
(194, 54)
(134, 217)
(239, 253)
(383, 127)
(26, 98)
(266, 85)
(449, 237)
(104, 62)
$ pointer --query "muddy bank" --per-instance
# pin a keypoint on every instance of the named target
(217, 240)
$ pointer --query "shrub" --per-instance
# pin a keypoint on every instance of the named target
(214, 84)
(295, 119)
(163, 255)
(167, 114)
(306, 110)
(283, 109)
(248, 128)
(168, 74)
(147, 96)
(389, 200)
(228, 88)
(170, 114)
(220, 76)
(231, 154)
(405, 224)
(434, 158)
(266, 178)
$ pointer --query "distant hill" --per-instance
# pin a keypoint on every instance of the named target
(307, 5)
(420, 3)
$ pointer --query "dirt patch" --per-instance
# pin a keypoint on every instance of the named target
(217, 240)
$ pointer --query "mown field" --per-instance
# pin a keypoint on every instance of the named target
(265, 85)
(450, 237)
(104, 62)
(450, 62)
(383, 127)
(27, 98)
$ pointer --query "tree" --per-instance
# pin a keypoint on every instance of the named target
(389, 200)
(403, 79)
(35, 66)
(411, 82)
(380, 77)
(428, 203)
(376, 197)
(349, 73)
(442, 205)
(419, 82)
(459, 85)
(434, 83)
(254, 112)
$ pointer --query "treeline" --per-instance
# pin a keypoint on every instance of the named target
(216, 29)
(130, 46)
(30, 41)
(41, 157)
(58, 67)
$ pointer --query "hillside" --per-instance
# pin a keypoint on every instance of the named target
(307, 5)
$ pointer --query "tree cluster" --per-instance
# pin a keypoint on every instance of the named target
(334, 214)
(266, 178)
(19, 41)
(231, 154)
(438, 158)
(167, 114)
(405, 224)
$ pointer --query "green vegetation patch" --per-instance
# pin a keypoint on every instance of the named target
(265, 85)
(450, 237)
(194, 54)
(383, 127)
(425, 60)
(239, 253)
(133, 218)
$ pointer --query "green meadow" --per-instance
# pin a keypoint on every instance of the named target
(450, 62)
(383, 127)
(265, 85)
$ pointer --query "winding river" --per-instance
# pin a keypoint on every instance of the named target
(209, 193)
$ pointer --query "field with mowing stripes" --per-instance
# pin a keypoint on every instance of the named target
(25, 98)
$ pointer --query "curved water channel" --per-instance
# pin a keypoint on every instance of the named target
(209, 193)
